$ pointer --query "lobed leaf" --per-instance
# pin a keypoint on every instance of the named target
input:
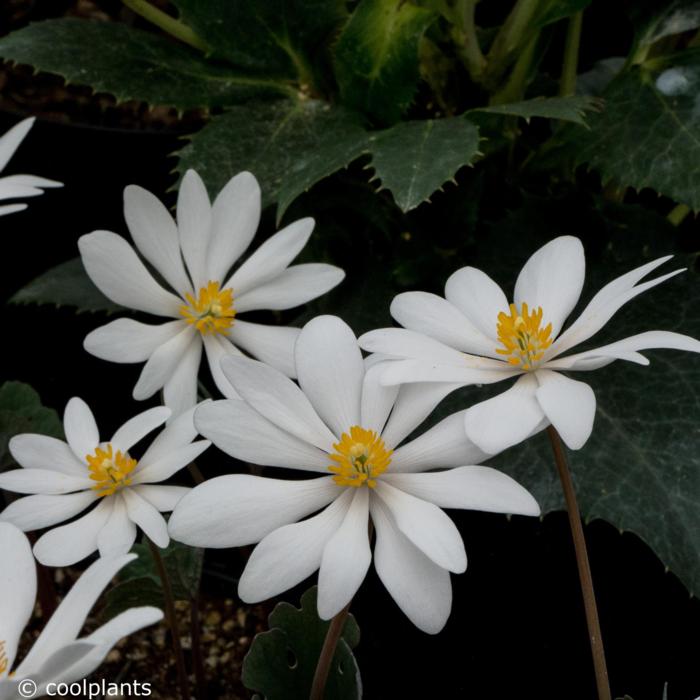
(570, 109)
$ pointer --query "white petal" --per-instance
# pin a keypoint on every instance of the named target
(438, 318)
(402, 343)
(377, 399)
(444, 445)
(293, 287)
(163, 362)
(147, 518)
(68, 544)
(180, 390)
(117, 536)
(11, 139)
(235, 218)
(44, 481)
(156, 236)
(331, 371)
(238, 509)
(427, 526)
(278, 399)
(116, 270)
(273, 345)
(470, 488)
(36, 512)
(291, 553)
(217, 349)
(43, 452)
(170, 464)
(569, 405)
(272, 257)
(17, 590)
(553, 279)
(194, 226)
(66, 623)
(162, 498)
(10, 209)
(420, 587)
(136, 428)
(54, 667)
(506, 419)
(346, 558)
(179, 432)
(126, 340)
(404, 371)
(242, 432)
(478, 297)
(80, 428)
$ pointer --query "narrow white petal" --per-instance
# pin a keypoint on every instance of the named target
(116, 270)
(170, 464)
(291, 553)
(469, 488)
(136, 428)
(569, 405)
(294, 286)
(17, 590)
(235, 218)
(162, 498)
(331, 371)
(179, 432)
(346, 558)
(240, 431)
(238, 509)
(155, 235)
(427, 526)
(117, 536)
(217, 349)
(377, 399)
(36, 512)
(478, 297)
(30, 181)
(126, 340)
(180, 390)
(43, 452)
(420, 587)
(147, 518)
(506, 419)
(11, 139)
(553, 279)
(44, 481)
(194, 226)
(10, 208)
(418, 371)
(80, 428)
(272, 257)
(403, 343)
(273, 345)
(68, 544)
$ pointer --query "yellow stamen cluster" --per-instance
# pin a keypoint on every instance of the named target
(212, 311)
(110, 470)
(360, 457)
(524, 342)
(4, 661)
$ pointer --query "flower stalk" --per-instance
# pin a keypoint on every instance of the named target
(567, 84)
(330, 644)
(584, 567)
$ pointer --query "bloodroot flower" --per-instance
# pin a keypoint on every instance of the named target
(65, 478)
(57, 656)
(194, 258)
(474, 336)
(17, 186)
(344, 424)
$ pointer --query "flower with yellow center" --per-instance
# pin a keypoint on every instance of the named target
(475, 336)
(123, 494)
(340, 415)
(197, 258)
(57, 655)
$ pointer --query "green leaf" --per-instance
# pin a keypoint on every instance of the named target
(570, 109)
(281, 663)
(21, 411)
(648, 134)
(377, 59)
(414, 159)
(66, 284)
(275, 37)
(131, 64)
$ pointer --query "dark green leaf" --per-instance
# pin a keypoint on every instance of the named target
(130, 64)
(21, 411)
(66, 284)
(281, 662)
(570, 109)
(376, 57)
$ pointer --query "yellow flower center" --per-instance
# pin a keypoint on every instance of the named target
(359, 458)
(524, 342)
(110, 471)
(212, 311)
(4, 661)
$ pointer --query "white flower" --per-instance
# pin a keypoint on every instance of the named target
(16, 186)
(344, 424)
(57, 656)
(475, 336)
(207, 302)
(68, 477)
